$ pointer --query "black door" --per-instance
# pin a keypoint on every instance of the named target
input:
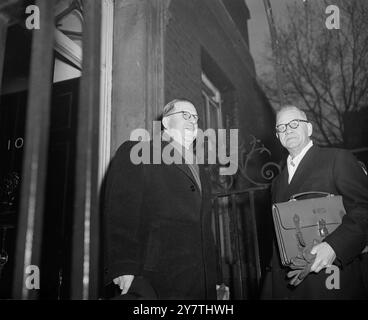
(12, 123)
(58, 213)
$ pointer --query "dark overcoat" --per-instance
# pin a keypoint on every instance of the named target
(334, 171)
(157, 225)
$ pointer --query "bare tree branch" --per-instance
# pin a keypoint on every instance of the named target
(324, 71)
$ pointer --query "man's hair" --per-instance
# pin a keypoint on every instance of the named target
(171, 105)
(291, 107)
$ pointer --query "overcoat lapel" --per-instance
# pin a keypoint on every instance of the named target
(304, 168)
(281, 187)
(205, 181)
(184, 168)
(284, 190)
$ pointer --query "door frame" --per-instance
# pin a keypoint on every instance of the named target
(72, 52)
(107, 31)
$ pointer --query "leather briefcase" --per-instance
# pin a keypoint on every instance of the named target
(299, 222)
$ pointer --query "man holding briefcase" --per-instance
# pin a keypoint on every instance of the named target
(333, 171)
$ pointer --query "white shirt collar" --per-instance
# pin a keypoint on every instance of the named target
(292, 164)
(301, 155)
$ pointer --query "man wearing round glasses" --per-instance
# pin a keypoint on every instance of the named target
(331, 170)
(180, 120)
(158, 237)
(293, 130)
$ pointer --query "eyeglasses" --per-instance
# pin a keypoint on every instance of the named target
(186, 115)
(293, 124)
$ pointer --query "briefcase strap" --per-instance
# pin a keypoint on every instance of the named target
(297, 195)
(299, 234)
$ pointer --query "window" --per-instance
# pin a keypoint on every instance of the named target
(68, 40)
(212, 103)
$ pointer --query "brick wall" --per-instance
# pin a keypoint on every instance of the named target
(182, 58)
(193, 28)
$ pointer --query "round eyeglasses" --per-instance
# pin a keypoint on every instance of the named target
(293, 124)
(186, 115)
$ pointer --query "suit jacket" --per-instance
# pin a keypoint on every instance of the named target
(335, 171)
(157, 225)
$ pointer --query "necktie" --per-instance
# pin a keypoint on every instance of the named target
(291, 170)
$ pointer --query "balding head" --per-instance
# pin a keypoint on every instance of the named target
(180, 121)
(171, 106)
(294, 109)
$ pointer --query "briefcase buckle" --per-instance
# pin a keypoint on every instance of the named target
(322, 228)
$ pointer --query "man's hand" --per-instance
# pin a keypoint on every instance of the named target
(124, 282)
(301, 264)
(223, 292)
(325, 256)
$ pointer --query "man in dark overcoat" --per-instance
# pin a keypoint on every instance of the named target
(331, 170)
(157, 218)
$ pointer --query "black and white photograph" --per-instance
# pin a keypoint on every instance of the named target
(197, 152)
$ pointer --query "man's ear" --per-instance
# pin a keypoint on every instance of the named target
(277, 135)
(310, 129)
(164, 122)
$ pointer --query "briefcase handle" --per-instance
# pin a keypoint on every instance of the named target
(297, 195)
